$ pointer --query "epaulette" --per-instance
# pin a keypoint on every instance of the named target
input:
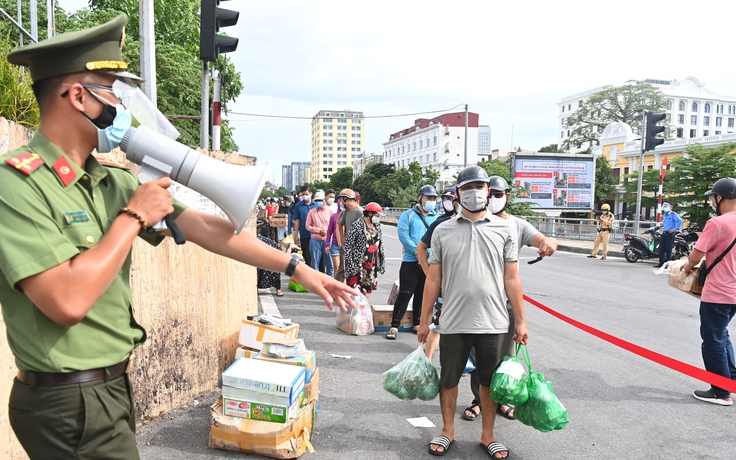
(105, 161)
(25, 162)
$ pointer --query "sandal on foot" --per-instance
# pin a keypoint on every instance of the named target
(506, 413)
(279, 293)
(391, 334)
(472, 411)
(443, 442)
(495, 448)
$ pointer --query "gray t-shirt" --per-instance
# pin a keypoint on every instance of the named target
(525, 231)
(348, 217)
(473, 255)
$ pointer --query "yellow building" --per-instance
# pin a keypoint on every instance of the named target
(622, 148)
(338, 139)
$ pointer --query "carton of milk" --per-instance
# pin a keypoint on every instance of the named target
(269, 378)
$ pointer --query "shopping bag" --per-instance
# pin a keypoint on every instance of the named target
(358, 320)
(296, 287)
(542, 410)
(508, 385)
(414, 377)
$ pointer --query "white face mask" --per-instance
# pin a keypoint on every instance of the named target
(330, 201)
(496, 205)
(448, 206)
(376, 220)
(474, 200)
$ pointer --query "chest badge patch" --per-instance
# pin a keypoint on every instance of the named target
(76, 217)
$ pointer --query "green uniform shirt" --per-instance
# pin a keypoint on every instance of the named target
(49, 213)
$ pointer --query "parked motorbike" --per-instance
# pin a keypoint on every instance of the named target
(647, 247)
(691, 235)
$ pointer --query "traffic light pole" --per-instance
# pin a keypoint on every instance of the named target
(204, 120)
(641, 170)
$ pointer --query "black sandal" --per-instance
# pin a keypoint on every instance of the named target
(391, 334)
(506, 413)
(473, 411)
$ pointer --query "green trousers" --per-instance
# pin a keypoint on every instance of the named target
(91, 420)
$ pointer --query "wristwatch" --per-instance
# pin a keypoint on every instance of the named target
(291, 268)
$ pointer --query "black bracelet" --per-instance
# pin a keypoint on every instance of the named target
(291, 268)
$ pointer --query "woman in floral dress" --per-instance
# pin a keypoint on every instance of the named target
(364, 257)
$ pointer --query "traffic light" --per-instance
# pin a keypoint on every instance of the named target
(211, 19)
(652, 129)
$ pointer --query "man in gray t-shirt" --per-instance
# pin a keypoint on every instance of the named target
(474, 260)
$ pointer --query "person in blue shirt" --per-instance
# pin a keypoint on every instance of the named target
(302, 236)
(412, 226)
(671, 223)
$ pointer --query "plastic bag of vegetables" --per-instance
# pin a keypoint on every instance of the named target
(542, 411)
(508, 385)
(414, 377)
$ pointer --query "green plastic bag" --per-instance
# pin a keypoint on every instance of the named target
(542, 411)
(414, 377)
(508, 385)
(296, 287)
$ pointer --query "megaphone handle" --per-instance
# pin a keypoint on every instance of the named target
(178, 236)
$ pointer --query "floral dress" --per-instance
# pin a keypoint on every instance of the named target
(267, 278)
(364, 257)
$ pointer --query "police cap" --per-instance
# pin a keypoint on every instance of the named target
(98, 49)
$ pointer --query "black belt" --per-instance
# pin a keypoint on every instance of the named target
(50, 379)
(605, 229)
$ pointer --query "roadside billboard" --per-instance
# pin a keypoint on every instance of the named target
(563, 182)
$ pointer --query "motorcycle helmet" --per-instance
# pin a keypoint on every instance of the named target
(427, 190)
(725, 187)
(606, 207)
(450, 192)
(498, 183)
(470, 174)
(374, 207)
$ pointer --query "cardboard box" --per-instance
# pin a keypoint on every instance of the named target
(275, 440)
(245, 352)
(311, 389)
(350, 323)
(678, 279)
(307, 360)
(382, 315)
(394, 293)
(265, 377)
(252, 405)
(253, 334)
(279, 220)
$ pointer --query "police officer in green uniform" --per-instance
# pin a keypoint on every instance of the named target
(67, 228)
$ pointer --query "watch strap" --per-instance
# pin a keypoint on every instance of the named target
(291, 268)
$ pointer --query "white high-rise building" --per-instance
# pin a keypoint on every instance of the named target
(295, 175)
(338, 138)
(694, 111)
(438, 143)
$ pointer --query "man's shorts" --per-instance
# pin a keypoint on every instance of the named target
(454, 352)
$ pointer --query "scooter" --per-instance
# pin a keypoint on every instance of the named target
(640, 248)
(691, 235)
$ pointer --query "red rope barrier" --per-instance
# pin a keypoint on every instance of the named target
(684, 368)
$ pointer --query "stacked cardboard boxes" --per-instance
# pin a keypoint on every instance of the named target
(268, 403)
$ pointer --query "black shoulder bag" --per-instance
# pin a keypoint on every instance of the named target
(703, 270)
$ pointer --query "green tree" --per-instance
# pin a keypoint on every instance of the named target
(500, 168)
(497, 168)
(365, 183)
(695, 174)
(624, 103)
(649, 189)
(551, 148)
(604, 181)
(404, 184)
(17, 102)
(343, 178)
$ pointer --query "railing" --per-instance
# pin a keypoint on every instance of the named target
(573, 229)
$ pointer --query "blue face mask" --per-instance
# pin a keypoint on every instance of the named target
(319, 204)
(110, 137)
(605, 212)
(665, 209)
(430, 206)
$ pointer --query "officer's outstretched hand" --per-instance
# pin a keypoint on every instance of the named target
(326, 287)
(152, 200)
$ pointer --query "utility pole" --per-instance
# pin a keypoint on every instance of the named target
(204, 121)
(148, 48)
(641, 169)
(466, 135)
(34, 20)
(216, 116)
(51, 21)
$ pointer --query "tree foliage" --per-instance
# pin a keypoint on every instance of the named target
(694, 174)
(605, 184)
(551, 148)
(500, 168)
(343, 178)
(624, 103)
(649, 189)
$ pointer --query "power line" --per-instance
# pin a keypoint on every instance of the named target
(309, 118)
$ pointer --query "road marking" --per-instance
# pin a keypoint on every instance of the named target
(268, 305)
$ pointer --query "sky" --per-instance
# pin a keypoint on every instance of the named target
(511, 62)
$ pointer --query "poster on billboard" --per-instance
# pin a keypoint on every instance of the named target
(557, 182)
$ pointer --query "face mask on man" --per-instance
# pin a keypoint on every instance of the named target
(447, 206)
(330, 201)
(319, 204)
(307, 197)
(605, 212)
(474, 200)
(665, 209)
(497, 205)
(111, 136)
(430, 206)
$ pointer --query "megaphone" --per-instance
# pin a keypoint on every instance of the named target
(235, 189)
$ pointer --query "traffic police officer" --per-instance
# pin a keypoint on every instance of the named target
(68, 224)
(605, 224)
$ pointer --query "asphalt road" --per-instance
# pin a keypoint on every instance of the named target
(620, 405)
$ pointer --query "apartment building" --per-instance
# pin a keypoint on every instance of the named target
(338, 138)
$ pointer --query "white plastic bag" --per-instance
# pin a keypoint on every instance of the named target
(363, 324)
